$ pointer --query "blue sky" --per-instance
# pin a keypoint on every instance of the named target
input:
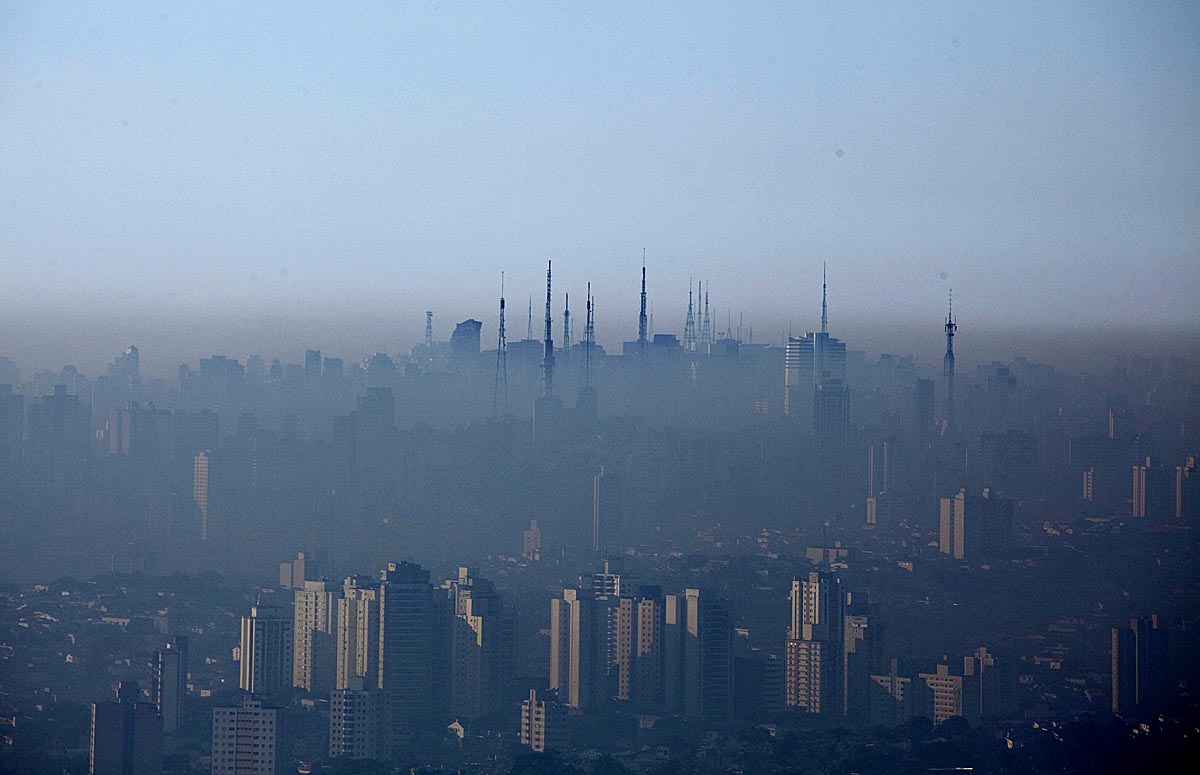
(164, 159)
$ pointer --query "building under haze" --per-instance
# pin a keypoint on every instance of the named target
(266, 652)
(814, 668)
(246, 739)
(126, 735)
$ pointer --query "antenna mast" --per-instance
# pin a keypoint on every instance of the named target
(642, 315)
(951, 329)
(689, 327)
(501, 360)
(548, 356)
(824, 308)
(567, 327)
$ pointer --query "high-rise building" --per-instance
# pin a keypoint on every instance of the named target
(1154, 493)
(168, 682)
(1140, 671)
(315, 628)
(543, 725)
(406, 637)
(245, 739)
(862, 656)
(641, 648)
(945, 693)
(531, 548)
(895, 699)
(201, 472)
(126, 735)
(356, 722)
(266, 651)
(698, 656)
(814, 659)
(293, 574)
(480, 645)
(579, 653)
(990, 685)
(975, 528)
(464, 342)
(358, 633)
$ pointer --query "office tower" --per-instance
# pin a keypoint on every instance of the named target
(989, 685)
(641, 648)
(831, 424)
(126, 735)
(975, 528)
(168, 683)
(12, 441)
(945, 693)
(1140, 673)
(480, 645)
(896, 699)
(531, 547)
(579, 653)
(293, 575)
(814, 661)
(358, 633)
(406, 634)
(315, 627)
(356, 722)
(266, 650)
(862, 651)
(811, 362)
(1154, 493)
(543, 725)
(201, 470)
(246, 739)
(698, 656)
(464, 342)
(951, 329)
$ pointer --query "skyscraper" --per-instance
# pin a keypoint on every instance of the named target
(641, 648)
(698, 655)
(267, 649)
(358, 633)
(201, 470)
(315, 627)
(814, 662)
(406, 633)
(464, 343)
(168, 683)
(356, 722)
(579, 648)
(1140, 677)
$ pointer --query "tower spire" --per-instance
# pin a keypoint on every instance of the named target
(548, 354)
(642, 314)
(529, 327)
(501, 361)
(951, 328)
(689, 327)
(824, 306)
(567, 327)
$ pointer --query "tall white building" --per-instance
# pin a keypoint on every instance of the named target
(314, 666)
(814, 665)
(266, 652)
(245, 739)
(358, 633)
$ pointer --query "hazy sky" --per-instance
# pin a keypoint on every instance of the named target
(257, 160)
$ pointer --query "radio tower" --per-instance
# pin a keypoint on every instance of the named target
(642, 315)
(689, 327)
(948, 363)
(429, 336)
(706, 328)
(566, 348)
(587, 394)
(824, 308)
(529, 328)
(548, 355)
(501, 360)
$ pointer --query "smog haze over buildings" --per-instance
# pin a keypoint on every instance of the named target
(599, 388)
